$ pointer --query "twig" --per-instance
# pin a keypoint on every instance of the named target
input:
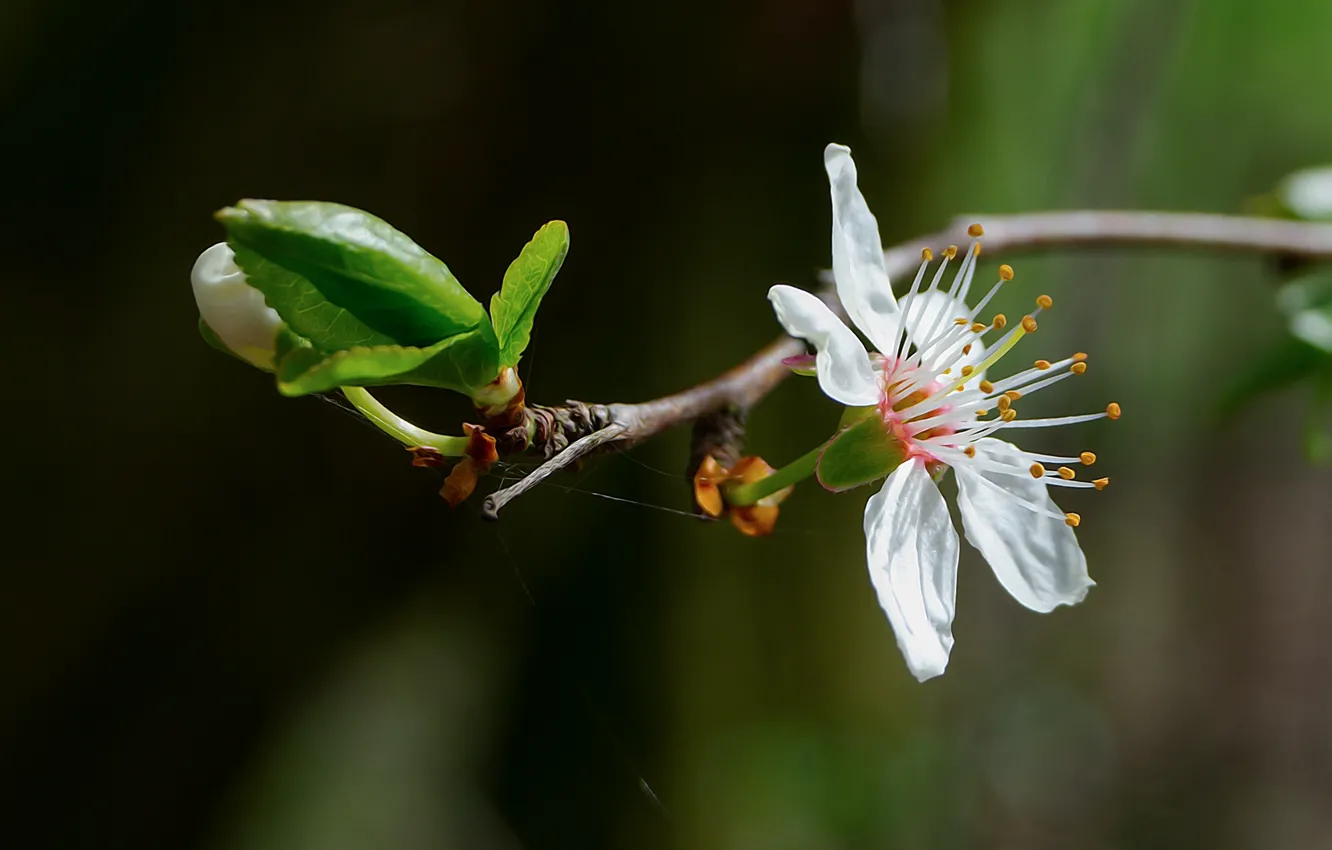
(1033, 232)
(490, 508)
(745, 385)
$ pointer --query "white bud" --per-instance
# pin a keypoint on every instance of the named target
(232, 308)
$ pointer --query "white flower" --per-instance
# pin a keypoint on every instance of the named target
(927, 381)
(233, 309)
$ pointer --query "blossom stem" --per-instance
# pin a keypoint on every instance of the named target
(400, 429)
(799, 469)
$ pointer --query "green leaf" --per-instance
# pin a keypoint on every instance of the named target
(394, 289)
(514, 307)
(858, 454)
(305, 310)
(1288, 361)
(461, 363)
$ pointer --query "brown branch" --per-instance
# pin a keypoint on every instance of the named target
(745, 385)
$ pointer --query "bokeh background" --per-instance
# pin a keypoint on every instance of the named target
(238, 622)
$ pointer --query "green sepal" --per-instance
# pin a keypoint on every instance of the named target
(528, 278)
(852, 415)
(461, 363)
(358, 264)
(858, 454)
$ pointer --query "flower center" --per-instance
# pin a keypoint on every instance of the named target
(902, 390)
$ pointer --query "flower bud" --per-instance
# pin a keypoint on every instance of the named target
(232, 309)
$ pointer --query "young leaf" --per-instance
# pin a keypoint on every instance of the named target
(514, 307)
(859, 454)
(357, 263)
(305, 310)
(461, 363)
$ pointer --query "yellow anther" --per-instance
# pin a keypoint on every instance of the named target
(1004, 402)
(1037, 471)
(926, 254)
(1008, 415)
(976, 248)
(1087, 458)
(999, 321)
(1013, 395)
(981, 414)
(966, 371)
(1045, 302)
(986, 387)
(975, 230)
(1066, 473)
(950, 252)
(1112, 410)
(1072, 520)
(948, 370)
(1080, 356)
(1042, 364)
(959, 322)
(1005, 272)
(969, 451)
(979, 328)
(1078, 368)
(1100, 483)
(1029, 324)
(966, 349)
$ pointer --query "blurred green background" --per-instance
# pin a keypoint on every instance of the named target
(239, 622)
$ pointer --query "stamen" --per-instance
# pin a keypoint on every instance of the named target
(970, 451)
(1012, 395)
(1100, 483)
(950, 252)
(985, 386)
(1078, 368)
(1066, 473)
(1029, 324)
(975, 230)
(959, 321)
(966, 349)
(1037, 471)
(1112, 410)
(1042, 364)
(999, 321)
(1087, 458)
(1008, 415)
(979, 328)
(1045, 302)
(1005, 402)
(966, 371)
(981, 414)
(1081, 355)
(1006, 272)
(1072, 520)
(1058, 420)
(926, 254)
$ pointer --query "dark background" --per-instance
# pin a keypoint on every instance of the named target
(236, 621)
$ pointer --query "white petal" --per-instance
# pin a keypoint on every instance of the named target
(1036, 557)
(931, 315)
(842, 364)
(911, 548)
(858, 266)
(234, 310)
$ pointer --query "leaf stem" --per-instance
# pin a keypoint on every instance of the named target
(799, 469)
(400, 429)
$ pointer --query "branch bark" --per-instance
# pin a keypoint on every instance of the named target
(745, 385)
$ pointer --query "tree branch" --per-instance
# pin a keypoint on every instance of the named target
(745, 385)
